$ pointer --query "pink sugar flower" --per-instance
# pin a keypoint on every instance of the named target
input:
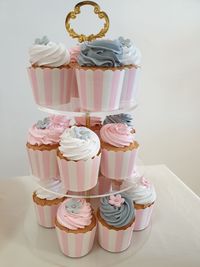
(116, 201)
(145, 182)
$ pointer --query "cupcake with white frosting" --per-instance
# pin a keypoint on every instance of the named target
(46, 203)
(75, 227)
(143, 196)
(116, 218)
(51, 76)
(79, 158)
(131, 59)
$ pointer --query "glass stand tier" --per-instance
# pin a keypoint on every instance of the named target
(104, 186)
(73, 109)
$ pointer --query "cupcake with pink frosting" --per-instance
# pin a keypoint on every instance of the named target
(74, 53)
(42, 144)
(51, 76)
(119, 150)
(75, 227)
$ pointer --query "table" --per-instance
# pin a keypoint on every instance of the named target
(173, 238)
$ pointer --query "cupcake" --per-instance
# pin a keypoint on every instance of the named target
(119, 150)
(50, 75)
(143, 196)
(79, 158)
(116, 218)
(42, 144)
(100, 75)
(131, 60)
(95, 123)
(46, 203)
(75, 227)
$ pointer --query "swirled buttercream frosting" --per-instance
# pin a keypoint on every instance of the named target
(131, 54)
(119, 118)
(143, 192)
(48, 130)
(79, 143)
(101, 53)
(117, 210)
(117, 134)
(74, 213)
(49, 54)
(54, 188)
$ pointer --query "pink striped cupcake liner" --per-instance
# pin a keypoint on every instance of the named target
(52, 86)
(79, 175)
(130, 87)
(142, 218)
(118, 165)
(46, 215)
(114, 240)
(99, 90)
(43, 163)
(103, 186)
(75, 244)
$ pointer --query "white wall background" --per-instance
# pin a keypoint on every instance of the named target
(168, 34)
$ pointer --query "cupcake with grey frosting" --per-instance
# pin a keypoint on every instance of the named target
(131, 59)
(116, 218)
(119, 118)
(100, 74)
(50, 74)
(79, 158)
(143, 196)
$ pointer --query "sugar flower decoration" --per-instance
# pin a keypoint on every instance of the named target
(145, 182)
(125, 42)
(116, 201)
(82, 133)
(43, 124)
(73, 205)
(42, 41)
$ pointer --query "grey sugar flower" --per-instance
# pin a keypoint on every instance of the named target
(125, 42)
(73, 205)
(42, 41)
(43, 124)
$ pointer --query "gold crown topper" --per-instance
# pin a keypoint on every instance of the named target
(77, 10)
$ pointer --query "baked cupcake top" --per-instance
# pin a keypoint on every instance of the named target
(119, 118)
(81, 121)
(79, 143)
(48, 130)
(117, 134)
(131, 54)
(53, 187)
(142, 193)
(117, 210)
(49, 54)
(74, 213)
(101, 53)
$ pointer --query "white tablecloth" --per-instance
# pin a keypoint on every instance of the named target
(173, 238)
